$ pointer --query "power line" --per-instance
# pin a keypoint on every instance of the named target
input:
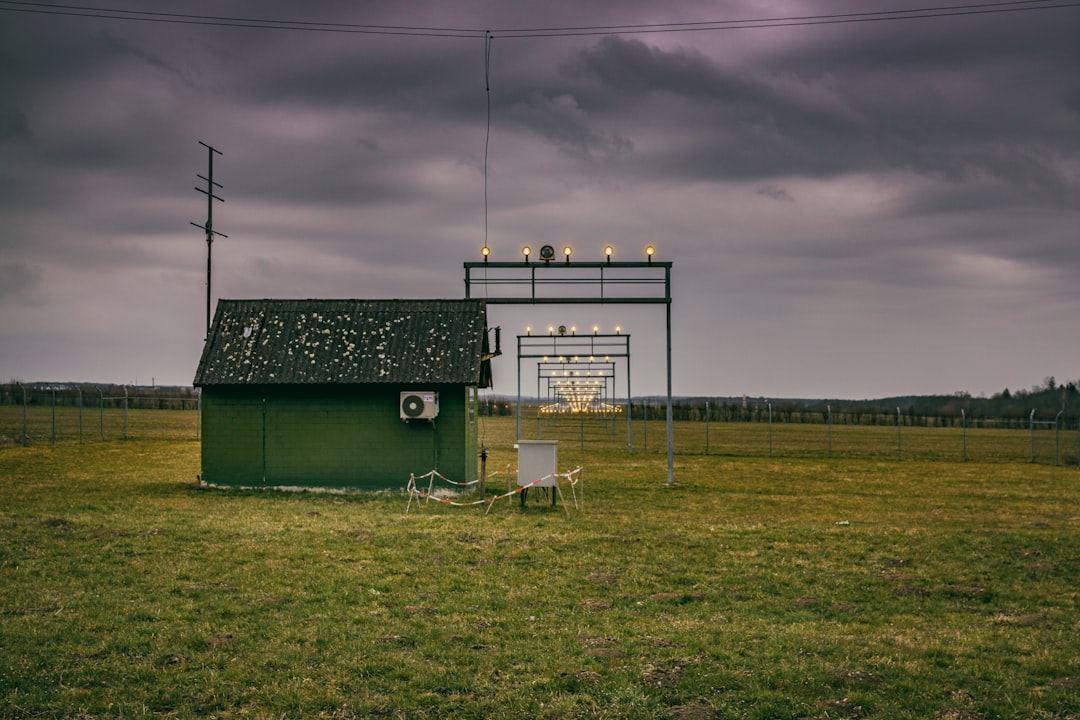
(30, 6)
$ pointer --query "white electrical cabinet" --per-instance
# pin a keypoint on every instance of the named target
(537, 459)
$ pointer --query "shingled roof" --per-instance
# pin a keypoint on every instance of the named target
(277, 342)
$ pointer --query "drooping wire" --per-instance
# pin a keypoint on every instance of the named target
(979, 8)
(488, 38)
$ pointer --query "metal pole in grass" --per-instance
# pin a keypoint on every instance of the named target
(963, 429)
(581, 428)
(629, 405)
(1031, 436)
(25, 428)
(79, 390)
(706, 427)
(898, 449)
(770, 429)
(645, 424)
(1057, 439)
(828, 411)
(53, 438)
(125, 412)
(101, 412)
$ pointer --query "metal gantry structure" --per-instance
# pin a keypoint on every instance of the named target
(546, 280)
(559, 357)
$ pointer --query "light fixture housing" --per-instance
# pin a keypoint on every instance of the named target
(547, 253)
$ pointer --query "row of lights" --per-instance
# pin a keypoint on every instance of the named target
(573, 330)
(547, 253)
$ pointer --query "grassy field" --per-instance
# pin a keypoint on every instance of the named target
(755, 587)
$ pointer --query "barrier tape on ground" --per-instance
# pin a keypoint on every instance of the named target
(436, 473)
(416, 492)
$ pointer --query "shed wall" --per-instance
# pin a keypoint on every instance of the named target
(332, 437)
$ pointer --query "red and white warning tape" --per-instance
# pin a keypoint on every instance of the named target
(416, 493)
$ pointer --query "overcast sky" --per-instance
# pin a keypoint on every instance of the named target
(853, 209)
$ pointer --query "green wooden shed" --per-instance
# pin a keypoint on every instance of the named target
(344, 394)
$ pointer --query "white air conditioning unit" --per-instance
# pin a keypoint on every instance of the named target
(419, 405)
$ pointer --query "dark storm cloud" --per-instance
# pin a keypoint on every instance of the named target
(562, 122)
(846, 116)
(881, 186)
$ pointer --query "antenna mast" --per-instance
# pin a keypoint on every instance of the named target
(209, 226)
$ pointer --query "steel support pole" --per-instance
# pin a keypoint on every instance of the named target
(629, 406)
(517, 409)
(670, 432)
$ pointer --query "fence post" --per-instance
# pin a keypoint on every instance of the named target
(79, 390)
(1057, 439)
(1031, 435)
(53, 438)
(645, 425)
(25, 427)
(899, 454)
(770, 429)
(828, 410)
(101, 412)
(963, 430)
(706, 427)
(125, 412)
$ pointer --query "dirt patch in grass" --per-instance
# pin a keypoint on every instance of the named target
(219, 641)
(586, 677)
(1065, 683)
(420, 610)
(690, 712)
(897, 562)
(677, 598)
(594, 604)
(362, 535)
(857, 677)
(604, 652)
(595, 642)
(662, 642)
(661, 677)
(399, 640)
(603, 578)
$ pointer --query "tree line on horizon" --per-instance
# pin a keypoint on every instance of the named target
(1003, 409)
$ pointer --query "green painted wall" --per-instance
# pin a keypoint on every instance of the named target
(333, 436)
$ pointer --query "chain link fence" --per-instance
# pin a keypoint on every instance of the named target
(1043, 438)
(36, 413)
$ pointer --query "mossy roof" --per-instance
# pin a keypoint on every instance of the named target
(290, 342)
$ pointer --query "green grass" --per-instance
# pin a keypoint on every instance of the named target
(754, 587)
